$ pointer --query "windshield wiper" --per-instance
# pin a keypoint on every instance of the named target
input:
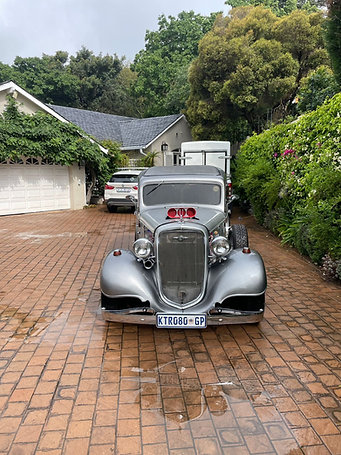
(155, 188)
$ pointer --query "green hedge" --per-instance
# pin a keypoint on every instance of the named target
(291, 177)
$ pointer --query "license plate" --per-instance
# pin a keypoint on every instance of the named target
(123, 190)
(181, 321)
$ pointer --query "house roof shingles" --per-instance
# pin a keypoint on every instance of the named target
(130, 132)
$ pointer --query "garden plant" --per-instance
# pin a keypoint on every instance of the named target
(290, 175)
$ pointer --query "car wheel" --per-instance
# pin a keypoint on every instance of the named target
(239, 236)
(112, 208)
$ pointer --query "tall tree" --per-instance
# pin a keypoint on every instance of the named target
(281, 7)
(117, 98)
(47, 78)
(250, 64)
(95, 74)
(6, 72)
(161, 66)
(85, 80)
(333, 36)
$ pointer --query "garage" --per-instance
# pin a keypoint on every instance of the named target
(33, 185)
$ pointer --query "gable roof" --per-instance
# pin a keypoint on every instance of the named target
(10, 87)
(131, 132)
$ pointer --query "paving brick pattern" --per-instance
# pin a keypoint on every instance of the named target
(71, 383)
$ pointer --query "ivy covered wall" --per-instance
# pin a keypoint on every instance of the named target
(42, 135)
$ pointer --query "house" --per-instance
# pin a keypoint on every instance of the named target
(137, 137)
(35, 185)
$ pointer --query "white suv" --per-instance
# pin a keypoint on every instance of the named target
(122, 184)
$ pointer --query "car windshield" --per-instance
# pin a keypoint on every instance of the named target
(182, 193)
(124, 178)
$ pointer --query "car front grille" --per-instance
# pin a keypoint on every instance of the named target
(181, 261)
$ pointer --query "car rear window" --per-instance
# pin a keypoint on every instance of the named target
(124, 178)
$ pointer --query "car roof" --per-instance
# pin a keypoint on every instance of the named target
(162, 171)
(128, 171)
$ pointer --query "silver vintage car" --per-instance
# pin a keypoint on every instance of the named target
(188, 267)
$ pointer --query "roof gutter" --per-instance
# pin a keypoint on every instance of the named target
(136, 147)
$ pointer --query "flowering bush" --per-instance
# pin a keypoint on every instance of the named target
(291, 176)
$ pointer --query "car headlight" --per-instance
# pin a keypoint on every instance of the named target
(142, 248)
(220, 246)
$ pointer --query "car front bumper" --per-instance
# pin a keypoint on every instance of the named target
(146, 315)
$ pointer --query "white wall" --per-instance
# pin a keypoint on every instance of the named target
(24, 104)
(178, 133)
(77, 187)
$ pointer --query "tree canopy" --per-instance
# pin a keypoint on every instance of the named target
(281, 7)
(251, 63)
(85, 80)
(231, 75)
(162, 85)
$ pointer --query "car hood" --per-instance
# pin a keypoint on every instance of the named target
(210, 218)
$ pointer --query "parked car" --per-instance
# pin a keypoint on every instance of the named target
(123, 183)
(188, 266)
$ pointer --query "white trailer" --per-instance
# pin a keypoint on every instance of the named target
(213, 153)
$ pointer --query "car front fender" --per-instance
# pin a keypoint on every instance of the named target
(124, 276)
(241, 274)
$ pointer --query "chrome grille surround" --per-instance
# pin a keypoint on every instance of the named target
(182, 266)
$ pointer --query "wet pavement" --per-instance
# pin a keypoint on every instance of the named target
(72, 383)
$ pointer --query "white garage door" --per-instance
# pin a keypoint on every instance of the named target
(33, 187)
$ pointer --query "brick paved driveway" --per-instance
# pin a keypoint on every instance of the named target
(73, 384)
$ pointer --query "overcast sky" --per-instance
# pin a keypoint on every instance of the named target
(29, 28)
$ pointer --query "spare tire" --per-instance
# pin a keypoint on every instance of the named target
(239, 236)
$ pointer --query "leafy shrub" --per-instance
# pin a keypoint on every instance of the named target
(291, 175)
(315, 88)
(148, 159)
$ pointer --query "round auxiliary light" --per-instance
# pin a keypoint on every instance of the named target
(182, 212)
(142, 248)
(171, 213)
(191, 212)
(220, 246)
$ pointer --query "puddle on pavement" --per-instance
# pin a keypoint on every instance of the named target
(36, 238)
(22, 325)
(95, 232)
(233, 412)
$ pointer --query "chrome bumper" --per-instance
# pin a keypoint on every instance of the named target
(148, 316)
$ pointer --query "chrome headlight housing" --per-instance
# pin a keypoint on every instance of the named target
(220, 246)
(142, 248)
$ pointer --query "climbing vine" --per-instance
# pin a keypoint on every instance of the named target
(42, 135)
